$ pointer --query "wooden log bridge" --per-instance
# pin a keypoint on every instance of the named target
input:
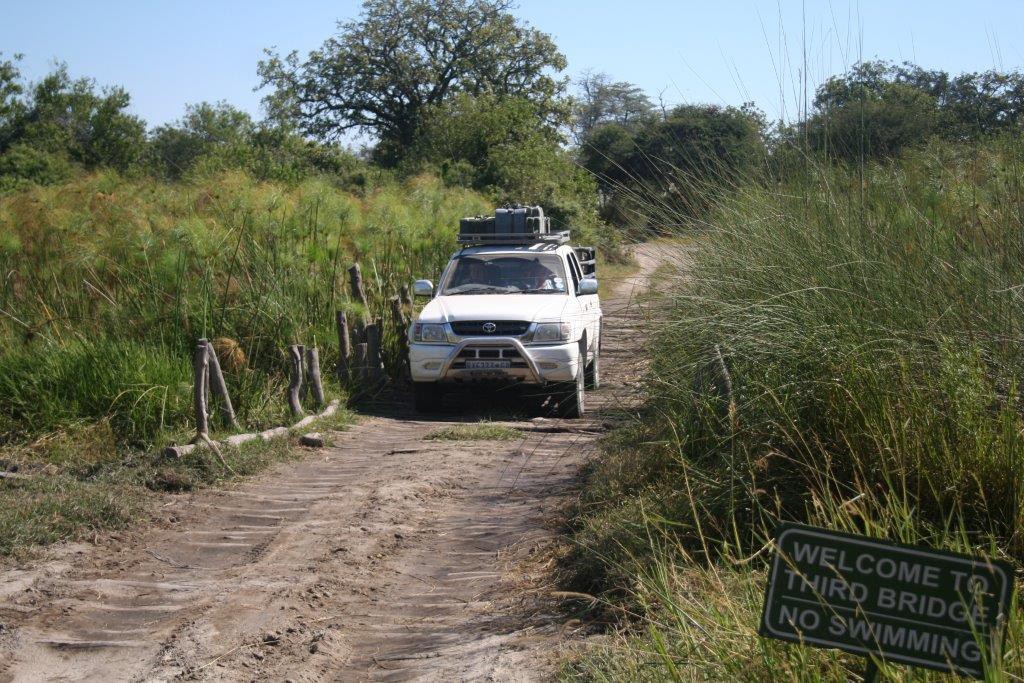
(268, 435)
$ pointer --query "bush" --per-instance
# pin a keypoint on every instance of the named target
(662, 172)
(22, 165)
(878, 109)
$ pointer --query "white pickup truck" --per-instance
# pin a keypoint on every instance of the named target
(510, 314)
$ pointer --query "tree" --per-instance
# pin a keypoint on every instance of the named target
(495, 145)
(12, 106)
(984, 103)
(72, 117)
(381, 74)
(206, 130)
(602, 101)
(604, 150)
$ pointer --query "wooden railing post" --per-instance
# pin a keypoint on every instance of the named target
(313, 375)
(344, 346)
(360, 362)
(373, 352)
(355, 276)
(206, 384)
(220, 387)
(295, 380)
(200, 366)
(303, 384)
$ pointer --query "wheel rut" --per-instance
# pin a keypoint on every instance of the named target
(382, 557)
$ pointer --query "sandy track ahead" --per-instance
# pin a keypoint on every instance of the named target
(382, 557)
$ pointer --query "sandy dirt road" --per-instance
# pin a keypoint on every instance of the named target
(382, 557)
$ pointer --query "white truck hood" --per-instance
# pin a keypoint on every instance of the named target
(529, 307)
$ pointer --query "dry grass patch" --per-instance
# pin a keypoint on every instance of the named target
(481, 431)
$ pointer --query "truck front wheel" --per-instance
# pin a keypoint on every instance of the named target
(571, 399)
(427, 396)
(593, 376)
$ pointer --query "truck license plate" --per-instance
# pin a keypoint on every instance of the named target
(488, 364)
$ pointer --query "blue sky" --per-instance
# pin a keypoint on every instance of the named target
(169, 53)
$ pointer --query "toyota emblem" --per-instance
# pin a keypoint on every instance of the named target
(490, 328)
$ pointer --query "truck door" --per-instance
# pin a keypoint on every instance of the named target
(590, 308)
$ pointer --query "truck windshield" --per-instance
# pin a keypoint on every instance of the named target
(506, 274)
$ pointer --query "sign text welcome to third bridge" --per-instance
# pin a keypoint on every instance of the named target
(899, 603)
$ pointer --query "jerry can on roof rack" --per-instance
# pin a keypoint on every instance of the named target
(476, 226)
(509, 224)
(520, 220)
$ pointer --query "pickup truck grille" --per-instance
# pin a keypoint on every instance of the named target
(508, 353)
(472, 328)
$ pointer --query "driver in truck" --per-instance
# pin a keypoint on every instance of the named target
(539, 278)
(471, 271)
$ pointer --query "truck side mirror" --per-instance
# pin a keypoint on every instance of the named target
(423, 288)
(588, 286)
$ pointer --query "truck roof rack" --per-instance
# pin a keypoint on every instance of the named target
(511, 224)
(511, 238)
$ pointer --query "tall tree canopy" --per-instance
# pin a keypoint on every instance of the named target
(381, 73)
(602, 100)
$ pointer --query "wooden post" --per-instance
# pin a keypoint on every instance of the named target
(220, 388)
(401, 326)
(200, 366)
(398, 315)
(303, 385)
(406, 296)
(313, 375)
(373, 351)
(355, 277)
(295, 380)
(206, 384)
(344, 346)
(359, 331)
(360, 362)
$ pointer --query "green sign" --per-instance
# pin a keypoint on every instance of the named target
(898, 603)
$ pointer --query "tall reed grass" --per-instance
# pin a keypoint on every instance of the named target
(108, 282)
(871, 321)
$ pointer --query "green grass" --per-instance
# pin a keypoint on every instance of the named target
(482, 431)
(870, 320)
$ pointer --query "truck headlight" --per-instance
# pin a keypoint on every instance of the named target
(552, 332)
(429, 333)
